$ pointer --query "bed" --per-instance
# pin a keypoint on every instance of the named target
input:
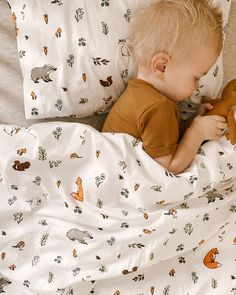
(84, 212)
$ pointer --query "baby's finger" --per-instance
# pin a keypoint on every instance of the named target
(219, 118)
(222, 126)
(208, 106)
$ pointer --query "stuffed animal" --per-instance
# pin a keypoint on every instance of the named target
(226, 107)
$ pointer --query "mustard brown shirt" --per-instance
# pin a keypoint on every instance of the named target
(148, 115)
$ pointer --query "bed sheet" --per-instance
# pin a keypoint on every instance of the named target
(84, 212)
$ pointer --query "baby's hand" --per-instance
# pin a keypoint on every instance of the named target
(210, 127)
(203, 108)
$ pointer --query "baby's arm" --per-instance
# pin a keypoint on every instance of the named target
(202, 128)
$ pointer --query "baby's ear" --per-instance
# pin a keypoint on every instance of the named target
(158, 64)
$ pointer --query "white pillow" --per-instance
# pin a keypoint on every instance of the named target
(75, 54)
(210, 84)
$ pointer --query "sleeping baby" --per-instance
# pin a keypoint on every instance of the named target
(175, 43)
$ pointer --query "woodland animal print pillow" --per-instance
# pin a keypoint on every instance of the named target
(75, 55)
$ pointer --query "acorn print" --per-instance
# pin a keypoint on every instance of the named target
(106, 83)
(12, 267)
(201, 242)
(97, 153)
(45, 49)
(33, 95)
(145, 215)
(161, 202)
(234, 241)
(74, 253)
(147, 231)
(84, 77)
(152, 290)
(58, 183)
(117, 292)
(3, 255)
(172, 272)
(46, 18)
(21, 151)
(58, 32)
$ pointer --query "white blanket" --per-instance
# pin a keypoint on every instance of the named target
(83, 212)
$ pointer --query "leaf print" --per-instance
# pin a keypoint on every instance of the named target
(18, 217)
(138, 278)
(26, 283)
(156, 188)
(166, 290)
(54, 163)
(103, 269)
(215, 73)
(50, 277)
(22, 53)
(59, 2)
(214, 283)
(44, 240)
(58, 104)
(105, 28)
(99, 203)
(136, 245)
(98, 61)
(199, 90)
(76, 271)
(83, 100)
(42, 154)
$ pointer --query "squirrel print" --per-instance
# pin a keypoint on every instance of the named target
(106, 83)
(18, 166)
(79, 195)
(209, 259)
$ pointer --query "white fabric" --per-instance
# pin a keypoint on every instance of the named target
(137, 230)
(75, 89)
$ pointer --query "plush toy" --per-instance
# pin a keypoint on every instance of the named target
(226, 107)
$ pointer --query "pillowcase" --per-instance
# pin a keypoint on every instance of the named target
(75, 55)
(210, 84)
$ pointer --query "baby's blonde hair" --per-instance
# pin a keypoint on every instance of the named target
(176, 27)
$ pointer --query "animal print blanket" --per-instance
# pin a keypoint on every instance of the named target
(83, 212)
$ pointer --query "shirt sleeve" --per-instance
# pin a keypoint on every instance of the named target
(159, 129)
